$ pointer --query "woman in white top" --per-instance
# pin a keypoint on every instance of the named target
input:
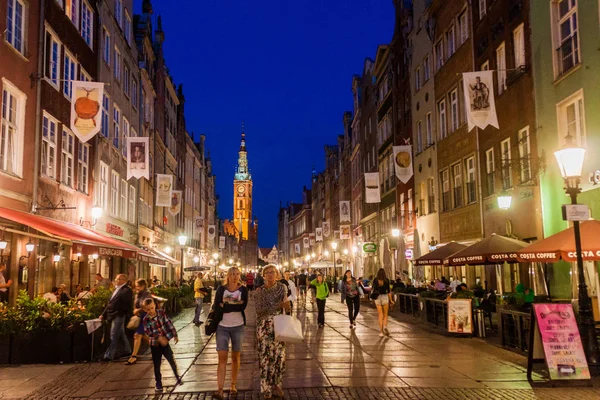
(231, 300)
(292, 295)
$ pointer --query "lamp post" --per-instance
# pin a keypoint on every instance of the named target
(570, 162)
(345, 251)
(182, 241)
(334, 248)
(396, 236)
(216, 258)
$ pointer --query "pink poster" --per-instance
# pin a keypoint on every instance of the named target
(561, 341)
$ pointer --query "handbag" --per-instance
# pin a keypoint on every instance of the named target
(374, 295)
(134, 322)
(288, 329)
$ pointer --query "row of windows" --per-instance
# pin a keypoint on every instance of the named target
(122, 195)
(121, 70)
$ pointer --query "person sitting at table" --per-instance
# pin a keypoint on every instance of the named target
(439, 285)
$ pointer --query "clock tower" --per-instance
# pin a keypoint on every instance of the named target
(242, 193)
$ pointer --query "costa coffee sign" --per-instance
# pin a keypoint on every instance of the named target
(114, 229)
(495, 258)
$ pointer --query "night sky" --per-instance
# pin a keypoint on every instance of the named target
(284, 68)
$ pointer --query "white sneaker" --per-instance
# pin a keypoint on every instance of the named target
(381, 334)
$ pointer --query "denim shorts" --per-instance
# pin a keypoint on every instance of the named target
(382, 300)
(234, 334)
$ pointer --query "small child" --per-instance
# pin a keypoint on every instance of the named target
(159, 329)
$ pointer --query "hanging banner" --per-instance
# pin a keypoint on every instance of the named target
(344, 211)
(199, 224)
(372, 194)
(86, 103)
(138, 156)
(175, 202)
(336, 235)
(221, 242)
(326, 229)
(344, 231)
(297, 248)
(403, 163)
(164, 185)
(306, 242)
(211, 232)
(319, 234)
(311, 236)
(479, 97)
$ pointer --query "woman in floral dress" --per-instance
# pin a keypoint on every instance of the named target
(270, 300)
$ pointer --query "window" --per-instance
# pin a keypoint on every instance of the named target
(87, 23)
(482, 8)
(485, 66)
(83, 167)
(72, 11)
(490, 168)
(117, 63)
(442, 118)
(119, 12)
(524, 155)
(519, 46)
(402, 208)
(114, 194)
(68, 149)
(422, 195)
(124, 202)
(126, 80)
(429, 129)
(116, 125)
(12, 129)
(445, 190)
(127, 28)
(430, 196)
(419, 137)
(505, 158)
(454, 109)
(105, 113)
(463, 28)
(457, 185)
(52, 59)
(84, 76)
(450, 45)
(106, 44)
(571, 120)
(470, 168)
(426, 69)
(49, 132)
(410, 208)
(134, 93)
(69, 74)
(439, 55)
(418, 78)
(566, 38)
(126, 132)
(501, 67)
(102, 199)
(15, 27)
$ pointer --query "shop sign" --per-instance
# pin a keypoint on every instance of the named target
(467, 260)
(408, 253)
(575, 212)
(370, 247)
(460, 318)
(114, 229)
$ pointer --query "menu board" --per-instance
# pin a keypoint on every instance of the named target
(561, 342)
(460, 316)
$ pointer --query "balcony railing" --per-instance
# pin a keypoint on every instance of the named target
(568, 54)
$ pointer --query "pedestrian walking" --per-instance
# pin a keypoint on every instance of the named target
(199, 293)
(270, 300)
(313, 289)
(302, 283)
(160, 330)
(142, 293)
(292, 296)
(322, 293)
(351, 293)
(231, 300)
(382, 295)
(117, 311)
(250, 281)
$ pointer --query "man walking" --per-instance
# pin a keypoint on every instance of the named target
(4, 284)
(199, 293)
(302, 283)
(117, 311)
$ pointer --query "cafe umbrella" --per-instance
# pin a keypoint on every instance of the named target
(197, 268)
(437, 257)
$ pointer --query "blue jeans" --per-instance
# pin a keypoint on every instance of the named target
(117, 334)
(235, 334)
(199, 301)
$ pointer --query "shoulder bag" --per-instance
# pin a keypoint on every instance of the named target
(288, 329)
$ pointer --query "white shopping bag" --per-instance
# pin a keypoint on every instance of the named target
(288, 329)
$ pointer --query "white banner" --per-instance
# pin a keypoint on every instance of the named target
(403, 162)
(345, 211)
(221, 242)
(312, 238)
(319, 234)
(336, 235)
(297, 248)
(211, 232)
(86, 106)
(164, 185)
(138, 156)
(344, 231)
(372, 194)
(479, 99)
(199, 223)
(175, 202)
(326, 229)
(306, 243)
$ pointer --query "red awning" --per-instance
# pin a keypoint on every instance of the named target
(85, 241)
(148, 257)
(562, 245)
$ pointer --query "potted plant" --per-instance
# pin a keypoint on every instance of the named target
(6, 330)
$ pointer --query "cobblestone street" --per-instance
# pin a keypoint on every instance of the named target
(333, 363)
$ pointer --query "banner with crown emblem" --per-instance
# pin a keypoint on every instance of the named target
(86, 106)
(319, 234)
(164, 187)
(326, 229)
(211, 232)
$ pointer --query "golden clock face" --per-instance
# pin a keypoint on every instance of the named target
(241, 189)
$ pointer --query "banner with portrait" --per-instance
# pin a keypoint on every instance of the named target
(86, 109)
(326, 229)
(306, 242)
(175, 202)
(211, 232)
(319, 234)
(336, 235)
(403, 163)
(345, 211)
(138, 155)
(478, 88)
(372, 193)
(164, 187)
(199, 224)
(311, 236)
(344, 232)
(221, 242)
(297, 248)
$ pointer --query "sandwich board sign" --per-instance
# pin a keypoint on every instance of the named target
(554, 337)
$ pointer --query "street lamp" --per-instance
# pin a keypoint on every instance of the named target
(215, 257)
(504, 201)
(182, 241)
(334, 248)
(307, 258)
(570, 162)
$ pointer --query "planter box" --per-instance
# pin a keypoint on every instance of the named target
(42, 347)
(5, 349)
